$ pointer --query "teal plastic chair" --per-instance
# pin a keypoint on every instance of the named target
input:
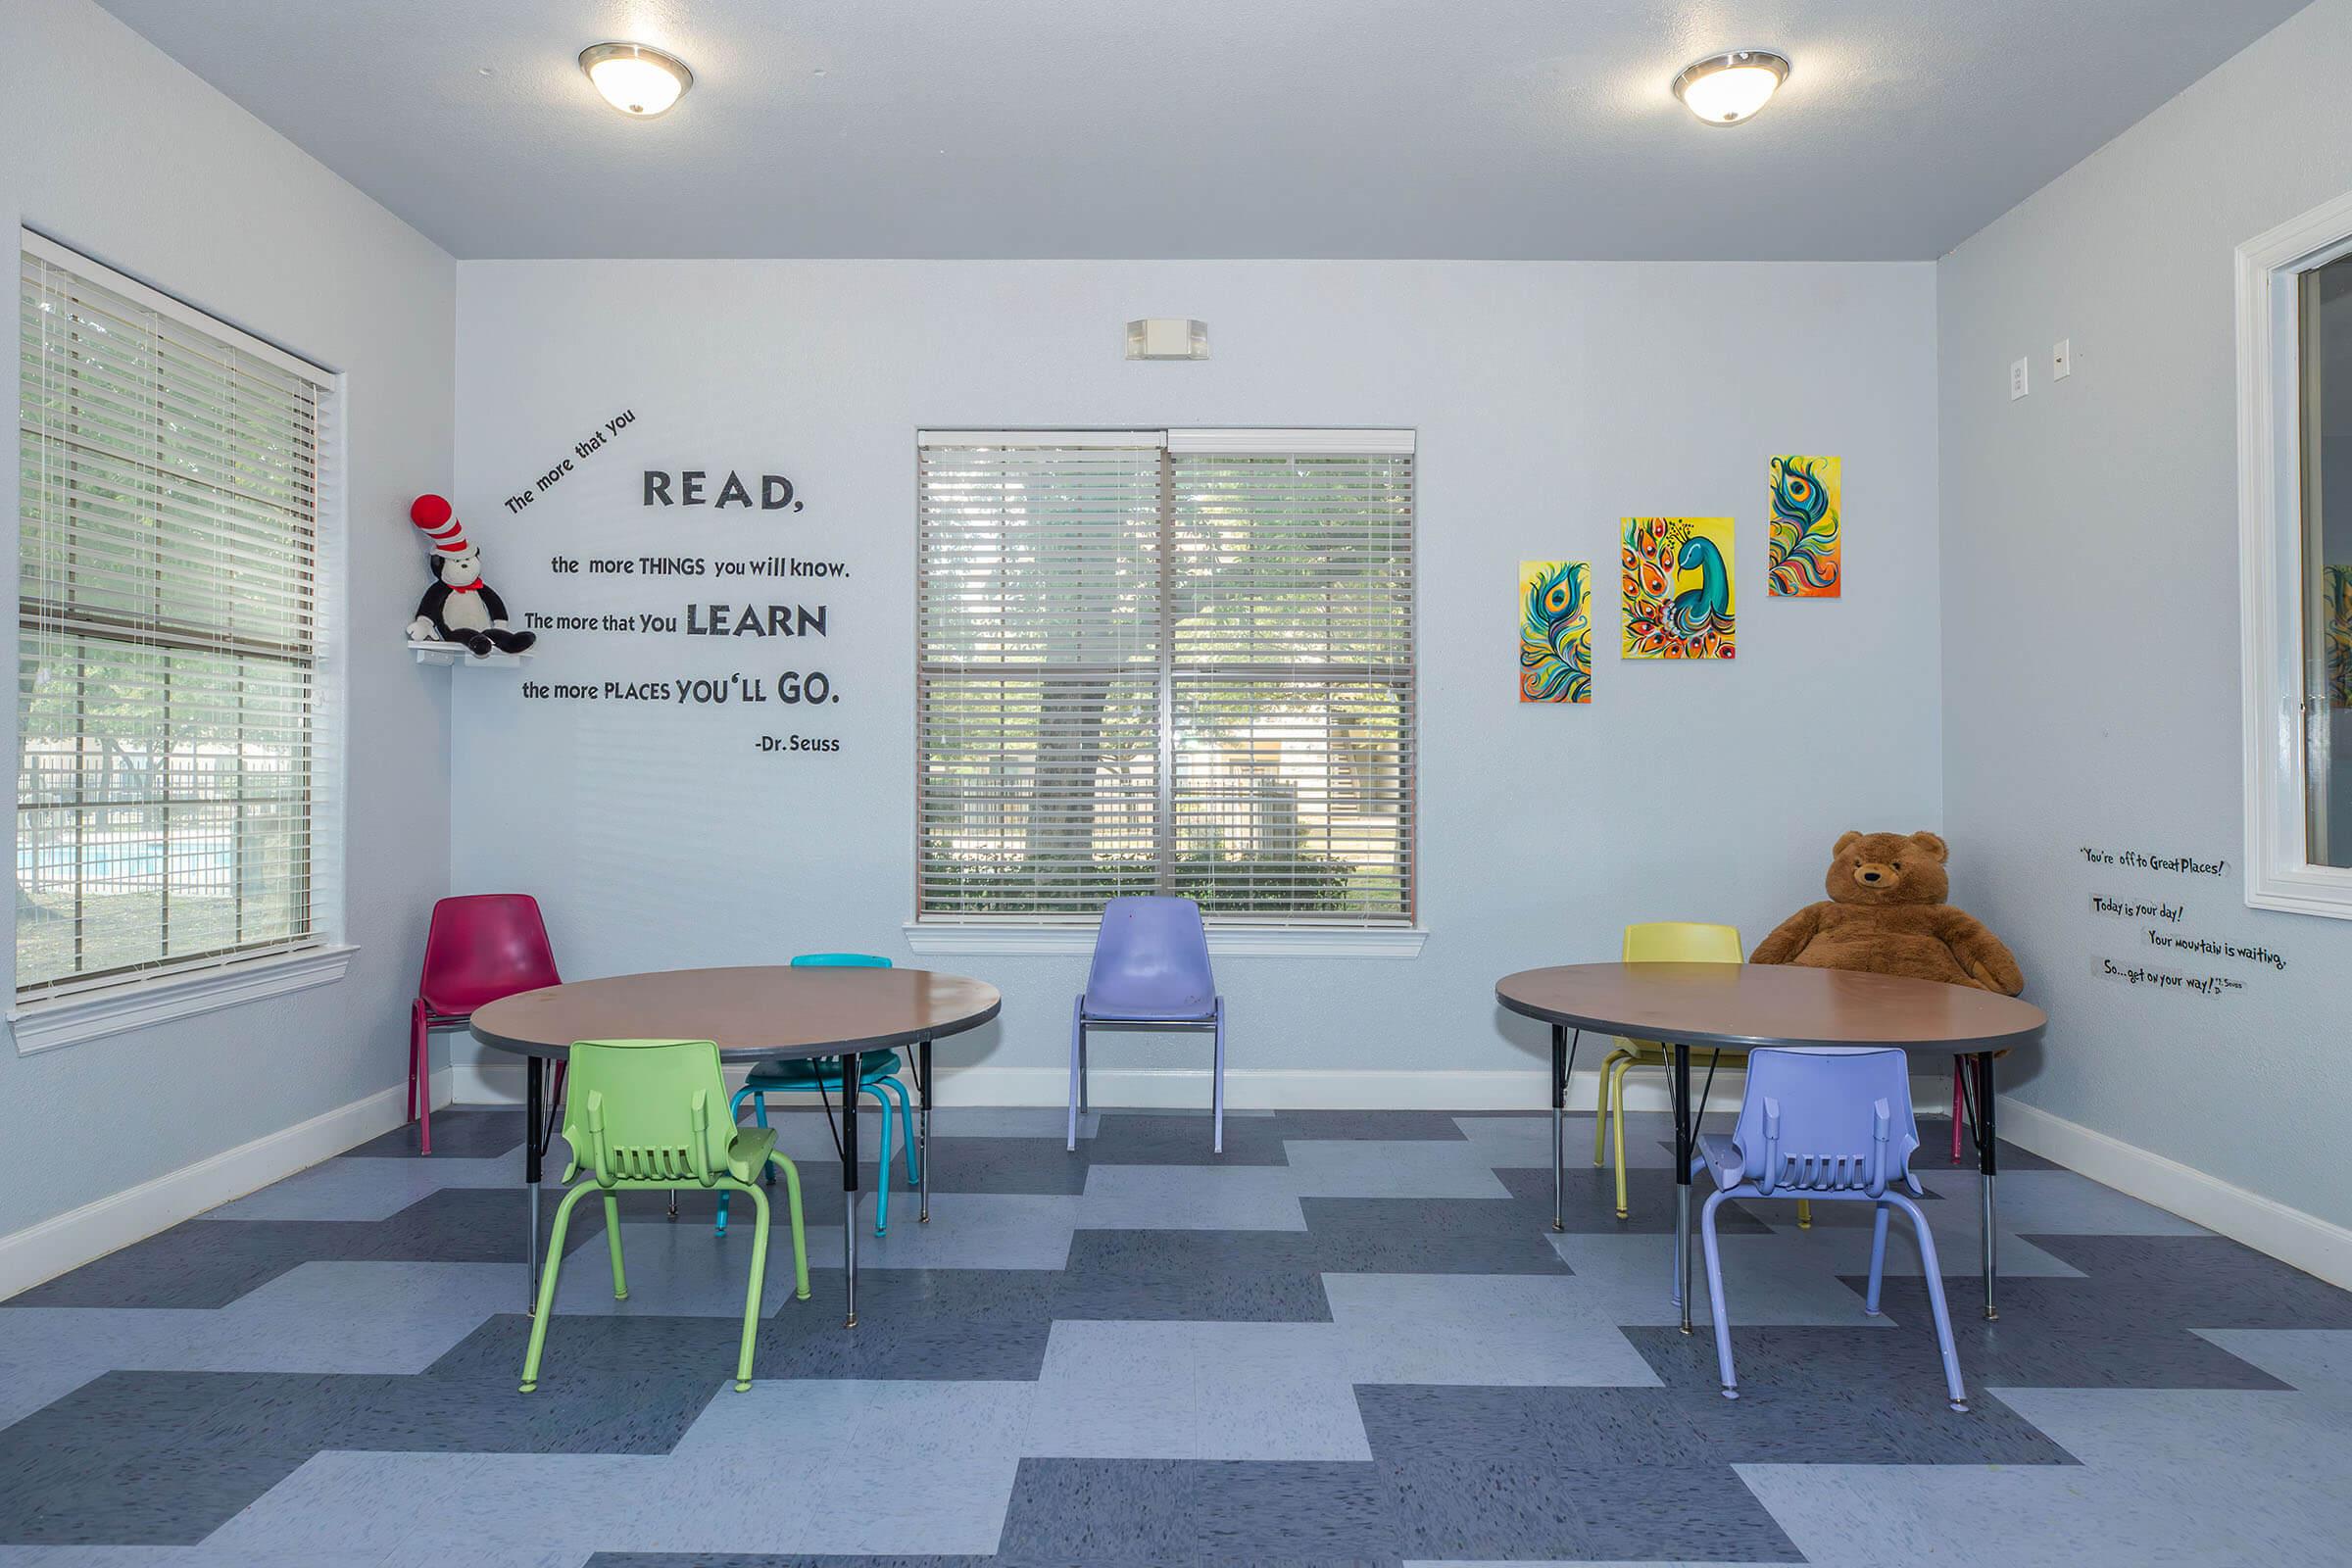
(642, 1116)
(878, 1076)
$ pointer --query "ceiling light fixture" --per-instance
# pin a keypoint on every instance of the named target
(1726, 89)
(639, 81)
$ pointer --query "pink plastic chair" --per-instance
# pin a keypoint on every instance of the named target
(478, 948)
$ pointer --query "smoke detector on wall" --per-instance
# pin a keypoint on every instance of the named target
(1168, 337)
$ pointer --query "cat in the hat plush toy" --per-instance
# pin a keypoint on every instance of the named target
(459, 607)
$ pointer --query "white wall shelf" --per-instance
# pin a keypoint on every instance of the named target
(457, 654)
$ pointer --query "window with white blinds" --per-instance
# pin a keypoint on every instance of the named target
(1166, 661)
(170, 780)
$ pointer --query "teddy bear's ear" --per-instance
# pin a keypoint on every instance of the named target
(1931, 847)
(1847, 840)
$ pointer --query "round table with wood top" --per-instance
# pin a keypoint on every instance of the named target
(754, 1014)
(1686, 1005)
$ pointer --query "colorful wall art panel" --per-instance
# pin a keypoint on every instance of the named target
(2339, 636)
(1806, 505)
(1556, 631)
(1678, 588)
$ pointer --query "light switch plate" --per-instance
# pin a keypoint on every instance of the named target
(2062, 359)
(2017, 379)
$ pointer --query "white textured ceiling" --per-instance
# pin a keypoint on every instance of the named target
(1200, 128)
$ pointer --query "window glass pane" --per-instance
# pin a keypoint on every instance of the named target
(167, 614)
(1144, 671)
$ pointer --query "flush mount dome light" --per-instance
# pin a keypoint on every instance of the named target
(639, 81)
(1726, 89)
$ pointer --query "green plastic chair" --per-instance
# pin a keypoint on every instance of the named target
(648, 1116)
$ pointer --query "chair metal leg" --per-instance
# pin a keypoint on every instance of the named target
(1959, 1102)
(906, 1130)
(1878, 1259)
(1723, 1317)
(416, 1052)
(1077, 1066)
(1216, 1086)
(1617, 1120)
(1601, 1105)
(421, 1045)
(881, 1165)
(1943, 1316)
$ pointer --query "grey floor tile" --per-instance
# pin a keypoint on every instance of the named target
(1213, 1276)
(1366, 1167)
(1196, 1390)
(1189, 1197)
(462, 1132)
(1188, 1512)
(1431, 1236)
(1163, 1137)
(1482, 1329)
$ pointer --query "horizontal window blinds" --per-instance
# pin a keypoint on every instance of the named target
(1174, 664)
(167, 634)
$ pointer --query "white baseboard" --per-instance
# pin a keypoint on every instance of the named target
(70, 1240)
(2290, 1235)
(501, 1083)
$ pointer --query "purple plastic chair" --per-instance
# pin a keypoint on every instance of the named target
(1826, 1123)
(1151, 972)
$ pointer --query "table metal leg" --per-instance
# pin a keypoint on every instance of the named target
(1987, 1146)
(852, 1067)
(1563, 1064)
(922, 1134)
(534, 1150)
(1682, 1180)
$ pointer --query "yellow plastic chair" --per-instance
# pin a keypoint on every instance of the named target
(650, 1115)
(1663, 942)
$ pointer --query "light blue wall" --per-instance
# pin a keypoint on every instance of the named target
(109, 146)
(1550, 400)
(2090, 617)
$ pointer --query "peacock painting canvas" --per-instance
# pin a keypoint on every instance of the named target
(1678, 588)
(1806, 558)
(2339, 635)
(1556, 631)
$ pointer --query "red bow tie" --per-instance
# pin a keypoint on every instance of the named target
(473, 587)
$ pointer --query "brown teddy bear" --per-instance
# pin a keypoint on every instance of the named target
(1885, 914)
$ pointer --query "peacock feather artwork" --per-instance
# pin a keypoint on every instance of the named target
(1678, 588)
(1556, 631)
(1805, 557)
(2339, 636)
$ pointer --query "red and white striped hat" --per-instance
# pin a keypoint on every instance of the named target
(437, 521)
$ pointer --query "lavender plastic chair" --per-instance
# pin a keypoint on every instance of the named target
(1151, 972)
(1827, 1123)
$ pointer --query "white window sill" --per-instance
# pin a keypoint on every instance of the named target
(942, 939)
(139, 1004)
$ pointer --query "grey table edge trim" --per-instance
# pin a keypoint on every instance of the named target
(1957, 1045)
(833, 1047)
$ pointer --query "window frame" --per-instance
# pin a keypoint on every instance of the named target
(1301, 935)
(70, 1012)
